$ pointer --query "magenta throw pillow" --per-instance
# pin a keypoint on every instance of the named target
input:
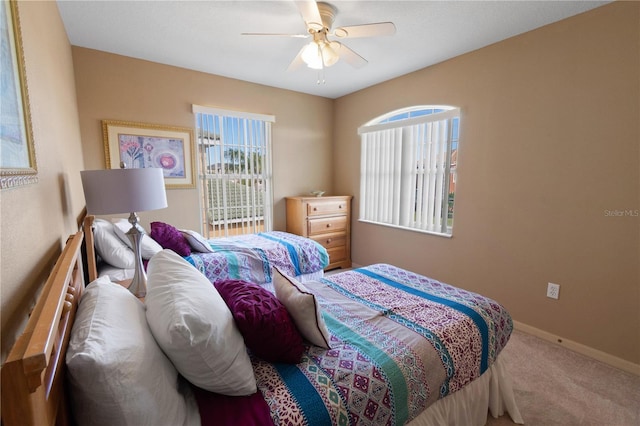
(265, 324)
(225, 410)
(170, 238)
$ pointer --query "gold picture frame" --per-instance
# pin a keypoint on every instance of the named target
(142, 145)
(17, 152)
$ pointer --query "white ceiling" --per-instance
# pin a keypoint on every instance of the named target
(206, 35)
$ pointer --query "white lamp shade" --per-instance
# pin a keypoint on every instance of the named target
(116, 191)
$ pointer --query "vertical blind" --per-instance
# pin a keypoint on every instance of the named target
(234, 152)
(406, 172)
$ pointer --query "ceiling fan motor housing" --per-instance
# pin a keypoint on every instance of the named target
(327, 14)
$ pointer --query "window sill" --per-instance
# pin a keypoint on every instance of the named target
(406, 228)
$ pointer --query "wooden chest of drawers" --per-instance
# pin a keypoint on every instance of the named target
(326, 220)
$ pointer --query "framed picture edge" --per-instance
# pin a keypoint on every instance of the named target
(111, 148)
(11, 177)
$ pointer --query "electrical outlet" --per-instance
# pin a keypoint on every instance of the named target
(553, 290)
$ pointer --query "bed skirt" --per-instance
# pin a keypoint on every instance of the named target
(468, 406)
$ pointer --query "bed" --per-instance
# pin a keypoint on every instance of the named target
(247, 257)
(403, 349)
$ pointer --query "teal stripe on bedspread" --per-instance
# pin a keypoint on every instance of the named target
(241, 246)
(438, 345)
(311, 404)
(293, 254)
(232, 261)
(477, 318)
(397, 382)
(266, 266)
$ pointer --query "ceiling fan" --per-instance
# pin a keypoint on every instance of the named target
(322, 51)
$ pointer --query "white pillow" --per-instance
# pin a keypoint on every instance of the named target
(195, 328)
(115, 274)
(117, 372)
(303, 308)
(111, 248)
(196, 241)
(148, 246)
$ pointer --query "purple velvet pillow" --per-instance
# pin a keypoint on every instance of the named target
(265, 324)
(170, 238)
(225, 410)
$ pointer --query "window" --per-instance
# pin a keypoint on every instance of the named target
(234, 166)
(408, 169)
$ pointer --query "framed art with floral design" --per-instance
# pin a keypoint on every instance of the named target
(141, 145)
(17, 152)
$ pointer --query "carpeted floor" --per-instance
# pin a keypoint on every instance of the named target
(556, 386)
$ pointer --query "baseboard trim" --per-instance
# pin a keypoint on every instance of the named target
(609, 359)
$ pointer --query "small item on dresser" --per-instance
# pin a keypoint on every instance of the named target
(317, 193)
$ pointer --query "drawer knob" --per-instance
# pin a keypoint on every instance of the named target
(329, 241)
(328, 225)
(340, 206)
(315, 209)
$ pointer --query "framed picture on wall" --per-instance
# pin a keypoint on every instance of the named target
(17, 152)
(141, 145)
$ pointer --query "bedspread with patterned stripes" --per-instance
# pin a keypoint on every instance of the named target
(399, 342)
(251, 257)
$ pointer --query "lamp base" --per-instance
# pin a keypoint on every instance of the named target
(139, 283)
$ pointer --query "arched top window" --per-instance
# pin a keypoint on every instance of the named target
(409, 168)
(410, 112)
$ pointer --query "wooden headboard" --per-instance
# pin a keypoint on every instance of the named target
(92, 266)
(33, 376)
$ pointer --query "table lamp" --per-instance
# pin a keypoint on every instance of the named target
(117, 191)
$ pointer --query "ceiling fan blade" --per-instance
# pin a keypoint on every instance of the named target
(310, 13)
(297, 61)
(349, 56)
(277, 35)
(366, 30)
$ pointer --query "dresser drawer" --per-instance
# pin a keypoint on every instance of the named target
(331, 240)
(323, 207)
(337, 254)
(326, 224)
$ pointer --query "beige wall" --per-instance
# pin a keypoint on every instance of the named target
(35, 219)
(121, 88)
(549, 142)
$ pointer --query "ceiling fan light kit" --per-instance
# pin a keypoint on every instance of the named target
(323, 52)
(319, 55)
